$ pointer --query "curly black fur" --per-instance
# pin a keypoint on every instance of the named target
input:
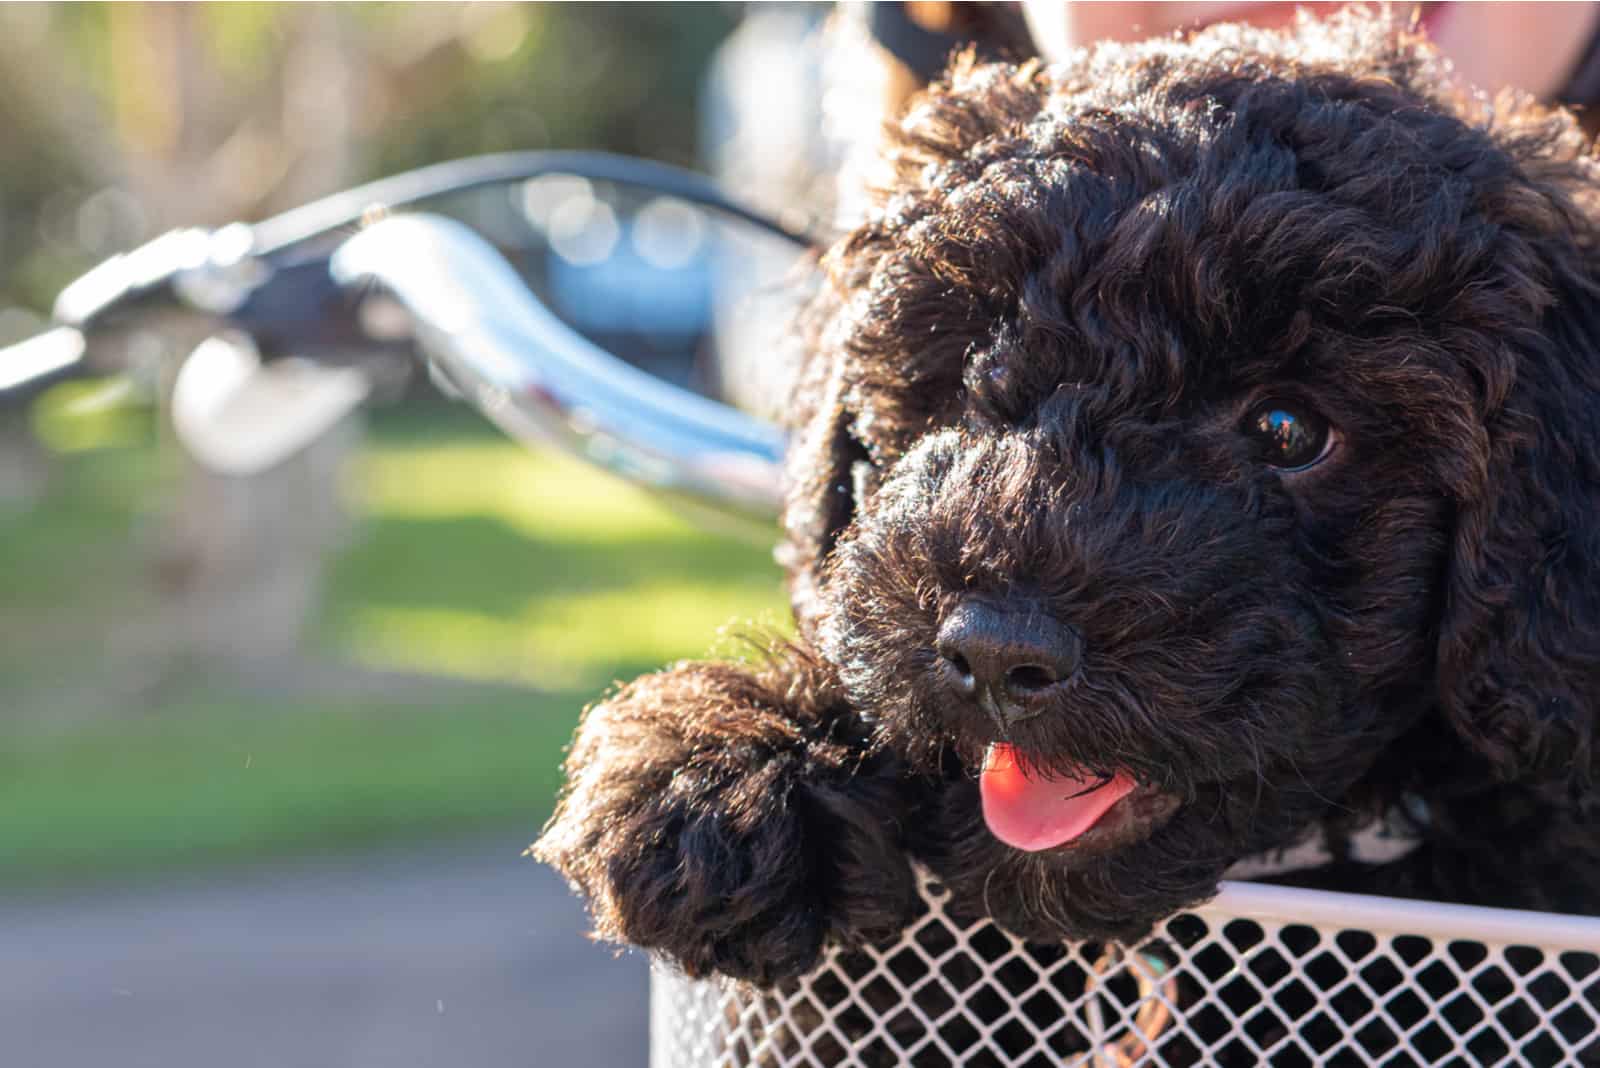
(1028, 380)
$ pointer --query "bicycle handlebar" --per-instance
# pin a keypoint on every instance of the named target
(540, 381)
(289, 283)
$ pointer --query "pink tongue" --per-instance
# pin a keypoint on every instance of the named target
(1036, 814)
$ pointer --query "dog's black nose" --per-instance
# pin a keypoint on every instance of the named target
(1007, 657)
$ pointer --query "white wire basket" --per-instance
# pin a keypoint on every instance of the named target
(1261, 975)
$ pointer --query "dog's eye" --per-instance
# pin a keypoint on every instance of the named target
(1288, 437)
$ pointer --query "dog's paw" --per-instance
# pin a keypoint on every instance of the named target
(746, 874)
(728, 839)
(718, 872)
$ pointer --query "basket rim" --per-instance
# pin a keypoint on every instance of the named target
(1401, 916)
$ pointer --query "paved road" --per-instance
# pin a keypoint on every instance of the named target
(470, 957)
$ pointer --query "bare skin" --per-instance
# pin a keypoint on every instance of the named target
(1533, 46)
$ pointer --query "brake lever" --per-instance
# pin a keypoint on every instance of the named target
(201, 270)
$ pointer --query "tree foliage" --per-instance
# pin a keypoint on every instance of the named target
(124, 119)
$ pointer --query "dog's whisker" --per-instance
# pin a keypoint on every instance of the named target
(1312, 789)
(988, 905)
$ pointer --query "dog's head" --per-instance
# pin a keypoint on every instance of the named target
(1191, 422)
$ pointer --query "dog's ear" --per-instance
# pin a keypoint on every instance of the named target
(820, 500)
(1519, 646)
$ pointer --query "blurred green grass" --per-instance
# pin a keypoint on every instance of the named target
(531, 580)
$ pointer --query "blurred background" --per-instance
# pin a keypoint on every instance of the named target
(271, 745)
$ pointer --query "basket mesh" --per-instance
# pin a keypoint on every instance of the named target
(1217, 986)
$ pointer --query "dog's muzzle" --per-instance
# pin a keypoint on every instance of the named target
(1009, 657)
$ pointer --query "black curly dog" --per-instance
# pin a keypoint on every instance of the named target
(1200, 455)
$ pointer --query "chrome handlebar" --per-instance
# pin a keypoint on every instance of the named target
(295, 284)
(542, 382)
